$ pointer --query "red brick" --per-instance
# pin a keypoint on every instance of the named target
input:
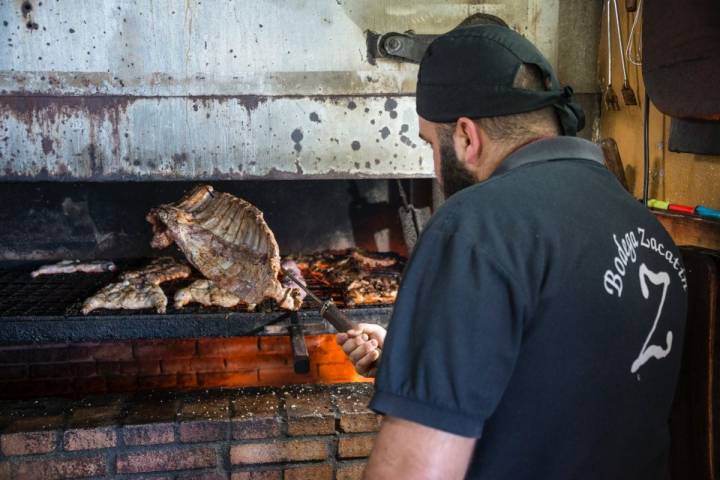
(69, 353)
(187, 380)
(196, 365)
(261, 360)
(55, 370)
(206, 409)
(166, 460)
(276, 344)
(33, 424)
(202, 476)
(112, 351)
(228, 379)
(203, 431)
(95, 415)
(175, 365)
(322, 471)
(355, 446)
(310, 413)
(89, 385)
(275, 474)
(25, 443)
(150, 434)
(138, 367)
(355, 417)
(227, 347)
(5, 471)
(157, 382)
(10, 372)
(121, 384)
(255, 428)
(284, 376)
(89, 438)
(57, 468)
(350, 470)
(255, 416)
(164, 349)
(279, 451)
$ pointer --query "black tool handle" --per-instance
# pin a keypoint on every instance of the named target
(336, 318)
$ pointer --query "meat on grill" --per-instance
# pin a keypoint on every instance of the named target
(128, 295)
(205, 292)
(72, 266)
(138, 289)
(292, 267)
(366, 278)
(162, 269)
(228, 241)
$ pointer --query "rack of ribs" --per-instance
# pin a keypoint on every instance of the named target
(228, 241)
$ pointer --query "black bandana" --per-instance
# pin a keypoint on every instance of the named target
(469, 72)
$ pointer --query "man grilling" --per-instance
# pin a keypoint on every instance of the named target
(538, 329)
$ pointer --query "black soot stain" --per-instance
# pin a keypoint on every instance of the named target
(315, 118)
(384, 132)
(352, 105)
(355, 145)
(297, 137)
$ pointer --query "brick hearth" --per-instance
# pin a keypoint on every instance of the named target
(30, 371)
(290, 433)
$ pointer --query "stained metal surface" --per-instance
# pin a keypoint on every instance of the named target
(159, 89)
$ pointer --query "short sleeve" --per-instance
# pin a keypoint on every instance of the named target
(453, 337)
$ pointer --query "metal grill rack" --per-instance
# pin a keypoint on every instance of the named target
(47, 309)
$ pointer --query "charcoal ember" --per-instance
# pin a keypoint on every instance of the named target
(228, 241)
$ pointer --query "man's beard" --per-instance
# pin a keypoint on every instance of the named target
(454, 175)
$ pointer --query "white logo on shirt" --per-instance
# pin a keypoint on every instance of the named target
(653, 351)
(628, 247)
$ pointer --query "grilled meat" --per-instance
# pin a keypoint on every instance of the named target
(205, 292)
(129, 295)
(364, 278)
(138, 289)
(373, 261)
(377, 290)
(163, 269)
(228, 241)
(292, 267)
(72, 266)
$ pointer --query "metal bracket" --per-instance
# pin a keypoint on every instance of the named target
(301, 357)
(408, 47)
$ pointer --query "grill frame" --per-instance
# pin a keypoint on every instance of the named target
(47, 310)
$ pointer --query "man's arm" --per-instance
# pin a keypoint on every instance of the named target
(405, 449)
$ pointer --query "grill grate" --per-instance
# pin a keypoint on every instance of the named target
(63, 295)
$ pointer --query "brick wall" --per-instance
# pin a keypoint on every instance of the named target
(318, 433)
(29, 371)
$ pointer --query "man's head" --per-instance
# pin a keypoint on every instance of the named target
(484, 91)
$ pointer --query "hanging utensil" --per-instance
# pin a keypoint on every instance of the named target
(611, 100)
(627, 91)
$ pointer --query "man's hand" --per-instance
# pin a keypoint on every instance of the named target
(362, 345)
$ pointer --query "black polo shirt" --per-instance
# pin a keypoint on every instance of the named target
(543, 313)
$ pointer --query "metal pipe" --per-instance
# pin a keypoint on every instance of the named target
(646, 148)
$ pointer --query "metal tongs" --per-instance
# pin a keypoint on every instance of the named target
(328, 310)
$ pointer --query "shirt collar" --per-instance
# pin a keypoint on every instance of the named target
(553, 148)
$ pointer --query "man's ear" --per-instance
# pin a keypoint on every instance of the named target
(468, 142)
